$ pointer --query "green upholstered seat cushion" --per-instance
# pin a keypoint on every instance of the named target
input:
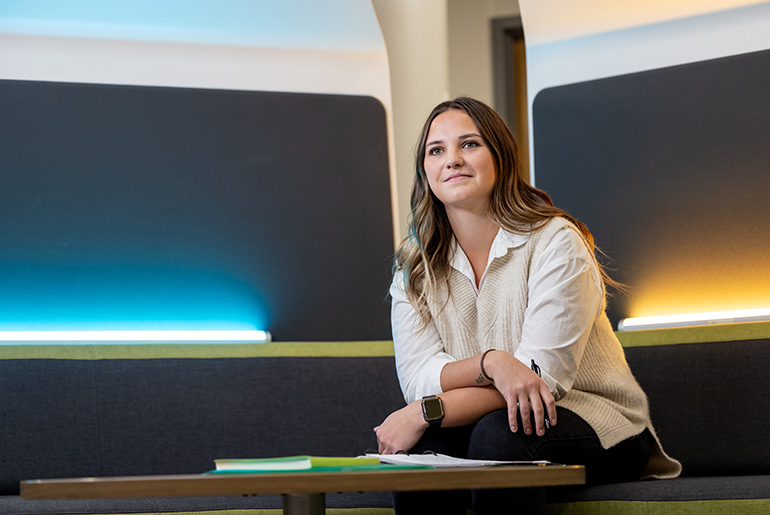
(697, 334)
(198, 351)
(739, 506)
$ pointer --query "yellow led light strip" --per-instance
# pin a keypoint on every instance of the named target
(127, 337)
(694, 319)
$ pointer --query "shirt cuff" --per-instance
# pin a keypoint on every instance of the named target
(428, 379)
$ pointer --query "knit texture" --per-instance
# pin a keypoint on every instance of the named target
(605, 393)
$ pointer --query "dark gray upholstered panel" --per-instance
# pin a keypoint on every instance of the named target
(709, 403)
(61, 418)
(141, 206)
(669, 170)
(679, 489)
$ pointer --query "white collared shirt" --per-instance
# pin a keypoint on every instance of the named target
(565, 296)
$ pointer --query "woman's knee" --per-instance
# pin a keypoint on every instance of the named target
(445, 440)
(492, 439)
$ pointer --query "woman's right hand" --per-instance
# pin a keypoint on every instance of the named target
(523, 390)
(401, 430)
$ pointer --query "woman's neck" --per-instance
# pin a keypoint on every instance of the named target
(475, 235)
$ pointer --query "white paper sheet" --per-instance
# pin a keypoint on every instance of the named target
(442, 460)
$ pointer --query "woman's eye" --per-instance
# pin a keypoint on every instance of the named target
(470, 144)
(434, 151)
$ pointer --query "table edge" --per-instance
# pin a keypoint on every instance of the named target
(302, 482)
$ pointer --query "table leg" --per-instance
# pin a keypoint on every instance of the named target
(304, 504)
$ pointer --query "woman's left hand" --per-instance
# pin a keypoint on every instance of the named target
(401, 430)
(524, 392)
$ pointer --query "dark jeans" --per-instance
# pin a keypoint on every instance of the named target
(571, 441)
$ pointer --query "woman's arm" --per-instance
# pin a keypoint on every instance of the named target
(419, 353)
(463, 406)
(565, 298)
(420, 362)
(522, 389)
(466, 400)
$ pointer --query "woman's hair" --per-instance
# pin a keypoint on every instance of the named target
(517, 207)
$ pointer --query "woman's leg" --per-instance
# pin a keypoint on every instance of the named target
(571, 441)
(452, 442)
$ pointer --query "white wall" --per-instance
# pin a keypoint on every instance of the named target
(569, 42)
(293, 45)
(437, 49)
(416, 39)
(470, 45)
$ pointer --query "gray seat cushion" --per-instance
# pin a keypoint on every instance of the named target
(679, 489)
(14, 505)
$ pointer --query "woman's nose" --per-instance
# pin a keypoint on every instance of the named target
(453, 159)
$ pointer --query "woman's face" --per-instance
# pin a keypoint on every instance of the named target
(458, 163)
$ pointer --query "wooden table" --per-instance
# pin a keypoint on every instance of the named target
(303, 492)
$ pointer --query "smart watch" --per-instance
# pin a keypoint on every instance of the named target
(432, 410)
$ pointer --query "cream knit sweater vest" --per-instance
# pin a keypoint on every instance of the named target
(605, 393)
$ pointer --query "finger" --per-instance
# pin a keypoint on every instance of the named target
(538, 413)
(386, 447)
(550, 406)
(525, 412)
(512, 409)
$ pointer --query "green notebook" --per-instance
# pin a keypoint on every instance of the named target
(291, 463)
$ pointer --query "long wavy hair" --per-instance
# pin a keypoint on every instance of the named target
(517, 207)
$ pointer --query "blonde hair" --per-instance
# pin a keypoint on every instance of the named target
(423, 257)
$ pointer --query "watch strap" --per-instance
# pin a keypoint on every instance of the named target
(433, 420)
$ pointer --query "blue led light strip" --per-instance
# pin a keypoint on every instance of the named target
(128, 337)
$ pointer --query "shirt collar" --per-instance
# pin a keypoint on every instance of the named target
(503, 241)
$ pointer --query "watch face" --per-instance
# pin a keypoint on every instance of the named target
(432, 409)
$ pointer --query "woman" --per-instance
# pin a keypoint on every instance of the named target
(493, 285)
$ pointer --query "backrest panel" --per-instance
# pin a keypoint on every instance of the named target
(74, 418)
(709, 403)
